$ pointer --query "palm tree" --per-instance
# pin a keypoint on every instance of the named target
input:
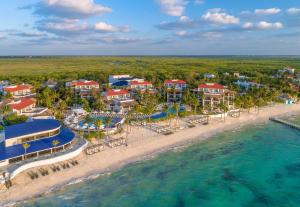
(25, 146)
(98, 124)
(224, 108)
(55, 143)
(88, 119)
(4, 110)
(176, 108)
(166, 110)
(108, 122)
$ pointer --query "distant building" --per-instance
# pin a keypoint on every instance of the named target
(50, 84)
(3, 83)
(247, 85)
(238, 75)
(209, 76)
(19, 91)
(38, 134)
(174, 90)
(211, 95)
(84, 88)
(289, 70)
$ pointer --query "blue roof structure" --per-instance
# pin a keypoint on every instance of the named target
(121, 83)
(35, 126)
(64, 137)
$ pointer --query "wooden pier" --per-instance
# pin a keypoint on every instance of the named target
(286, 123)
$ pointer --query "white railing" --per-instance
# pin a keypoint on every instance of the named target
(49, 161)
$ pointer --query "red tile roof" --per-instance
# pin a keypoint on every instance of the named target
(112, 92)
(140, 83)
(175, 81)
(23, 103)
(85, 83)
(11, 89)
(211, 85)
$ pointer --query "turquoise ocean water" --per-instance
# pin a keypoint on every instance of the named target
(257, 166)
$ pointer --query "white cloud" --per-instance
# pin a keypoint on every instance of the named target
(219, 17)
(173, 7)
(199, 1)
(248, 25)
(293, 11)
(184, 19)
(268, 25)
(269, 11)
(66, 25)
(181, 33)
(71, 8)
(212, 35)
(104, 27)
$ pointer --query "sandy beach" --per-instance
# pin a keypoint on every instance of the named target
(142, 143)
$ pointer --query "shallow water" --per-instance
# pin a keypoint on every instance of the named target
(254, 166)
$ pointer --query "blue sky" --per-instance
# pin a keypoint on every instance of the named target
(150, 27)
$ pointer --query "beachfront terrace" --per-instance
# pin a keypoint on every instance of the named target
(39, 136)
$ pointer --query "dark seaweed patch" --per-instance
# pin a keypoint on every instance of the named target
(180, 202)
(228, 175)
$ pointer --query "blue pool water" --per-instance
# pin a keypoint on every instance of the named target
(257, 166)
(162, 115)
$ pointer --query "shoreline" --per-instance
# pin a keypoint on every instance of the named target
(140, 149)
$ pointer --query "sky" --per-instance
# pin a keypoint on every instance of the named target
(150, 27)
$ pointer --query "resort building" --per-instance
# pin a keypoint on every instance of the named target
(174, 90)
(42, 136)
(118, 100)
(209, 75)
(122, 81)
(289, 70)
(3, 84)
(211, 95)
(140, 85)
(19, 91)
(83, 88)
(50, 84)
(26, 106)
(247, 85)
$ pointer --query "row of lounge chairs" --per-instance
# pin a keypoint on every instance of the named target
(116, 142)
(138, 123)
(94, 149)
(201, 120)
(55, 168)
(159, 129)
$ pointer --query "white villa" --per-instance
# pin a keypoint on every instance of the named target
(19, 91)
(174, 90)
(83, 88)
(212, 95)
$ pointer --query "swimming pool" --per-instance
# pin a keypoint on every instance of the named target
(161, 115)
(91, 125)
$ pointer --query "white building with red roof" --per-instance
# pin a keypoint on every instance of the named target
(118, 100)
(174, 90)
(83, 88)
(212, 95)
(116, 94)
(26, 106)
(22, 105)
(19, 91)
(140, 85)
